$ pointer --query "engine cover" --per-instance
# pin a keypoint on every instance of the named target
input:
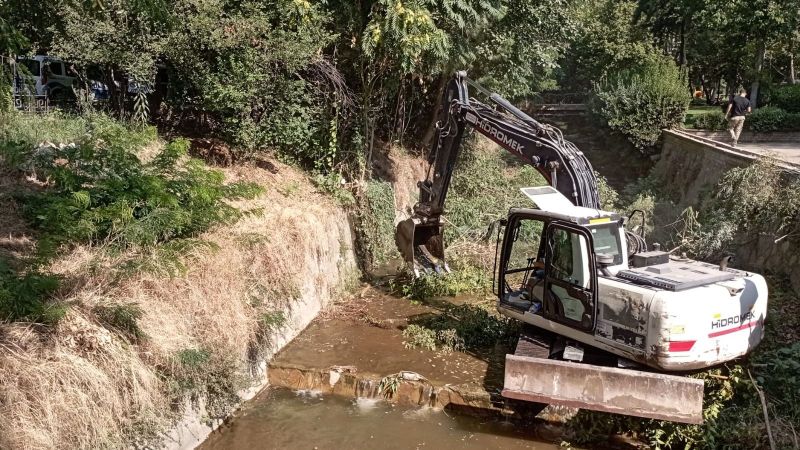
(678, 275)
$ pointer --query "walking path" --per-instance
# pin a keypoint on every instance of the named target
(786, 151)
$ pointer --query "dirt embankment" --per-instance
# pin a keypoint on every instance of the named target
(82, 384)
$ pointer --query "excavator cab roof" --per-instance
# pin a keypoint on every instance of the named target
(555, 205)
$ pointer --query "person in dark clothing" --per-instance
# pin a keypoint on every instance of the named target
(738, 107)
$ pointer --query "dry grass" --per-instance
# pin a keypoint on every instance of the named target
(83, 386)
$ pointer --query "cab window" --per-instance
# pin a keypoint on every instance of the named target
(606, 241)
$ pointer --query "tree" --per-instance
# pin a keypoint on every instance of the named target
(606, 39)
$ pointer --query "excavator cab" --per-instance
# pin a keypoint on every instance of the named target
(547, 266)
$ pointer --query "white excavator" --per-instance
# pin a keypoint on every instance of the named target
(612, 325)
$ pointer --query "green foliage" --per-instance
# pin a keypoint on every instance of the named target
(463, 278)
(169, 259)
(123, 317)
(213, 377)
(419, 337)
(447, 341)
(101, 192)
(609, 198)
(781, 378)
(28, 297)
(484, 186)
(749, 201)
(389, 384)
(786, 97)
(405, 32)
(640, 103)
(376, 218)
(772, 118)
(475, 327)
(271, 321)
(333, 184)
(714, 121)
(606, 39)
(6, 74)
(250, 76)
(517, 54)
(720, 414)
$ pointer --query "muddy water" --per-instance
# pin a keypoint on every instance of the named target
(283, 419)
(368, 335)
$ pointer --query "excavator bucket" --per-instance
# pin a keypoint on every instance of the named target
(531, 376)
(421, 245)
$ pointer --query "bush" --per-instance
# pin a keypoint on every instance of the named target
(748, 201)
(258, 80)
(27, 297)
(768, 118)
(640, 103)
(792, 122)
(99, 191)
(714, 120)
(214, 377)
(786, 97)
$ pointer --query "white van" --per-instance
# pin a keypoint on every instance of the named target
(51, 77)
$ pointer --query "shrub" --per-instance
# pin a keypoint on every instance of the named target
(27, 297)
(698, 101)
(748, 201)
(786, 97)
(639, 103)
(768, 118)
(714, 120)
(484, 186)
(792, 122)
(99, 191)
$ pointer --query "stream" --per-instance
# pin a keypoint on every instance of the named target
(283, 419)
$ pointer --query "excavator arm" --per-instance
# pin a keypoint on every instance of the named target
(420, 238)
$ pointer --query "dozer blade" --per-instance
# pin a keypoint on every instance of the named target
(421, 245)
(620, 391)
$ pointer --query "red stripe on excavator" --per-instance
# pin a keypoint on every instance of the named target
(681, 346)
(746, 326)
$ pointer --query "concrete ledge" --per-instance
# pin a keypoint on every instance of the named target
(744, 155)
(619, 391)
(467, 398)
(747, 136)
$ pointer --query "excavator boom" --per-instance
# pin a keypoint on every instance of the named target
(420, 237)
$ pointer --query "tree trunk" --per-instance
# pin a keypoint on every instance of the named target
(759, 64)
(792, 74)
(427, 138)
(683, 59)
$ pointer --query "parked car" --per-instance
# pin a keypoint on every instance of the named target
(51, 77)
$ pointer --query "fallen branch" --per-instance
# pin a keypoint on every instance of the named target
(764, 408)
